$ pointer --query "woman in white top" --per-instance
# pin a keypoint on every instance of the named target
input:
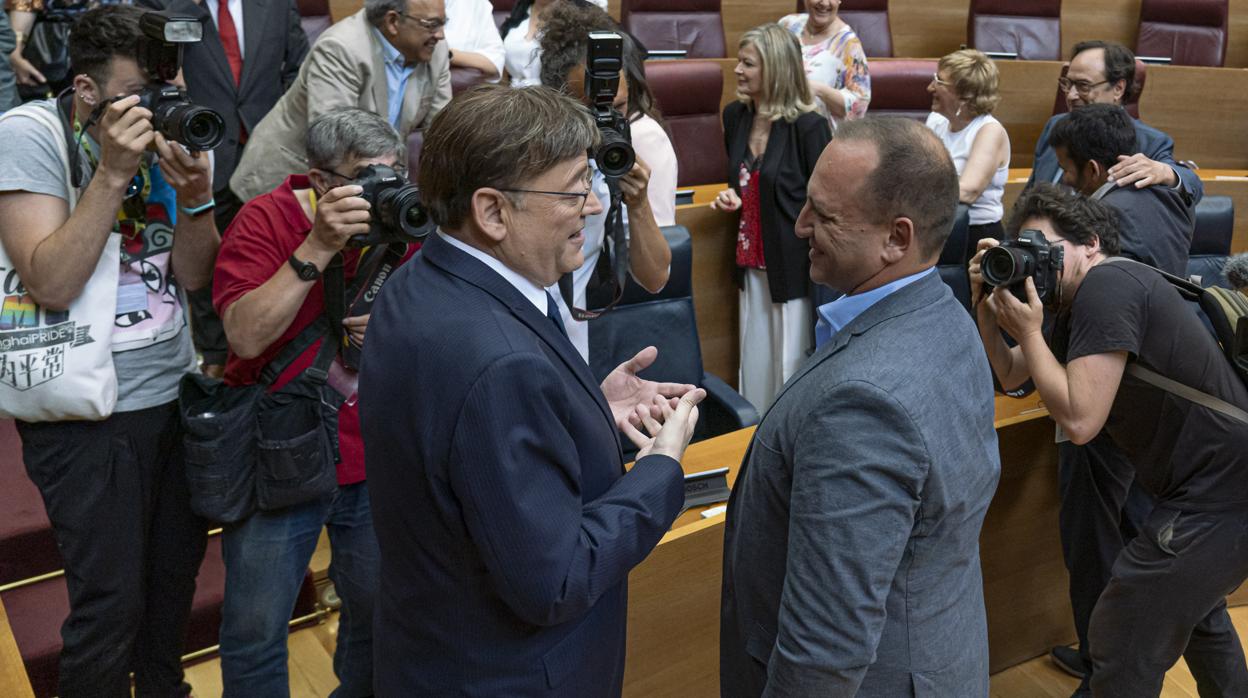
(836, 65)
(520, 39)
(473, 38)
(964, 93)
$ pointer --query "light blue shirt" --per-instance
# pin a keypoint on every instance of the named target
(397, 73)
(834, 316)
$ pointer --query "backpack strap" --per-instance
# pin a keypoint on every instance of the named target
(1187, 392)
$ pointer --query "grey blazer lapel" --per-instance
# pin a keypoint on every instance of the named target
(917, 295)
(254, 15)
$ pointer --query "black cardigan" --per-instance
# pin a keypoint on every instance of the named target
(793, 148)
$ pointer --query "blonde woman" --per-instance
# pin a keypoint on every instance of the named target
(774, 136)
(964, 93)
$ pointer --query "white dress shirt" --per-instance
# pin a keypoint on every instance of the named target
(524, 64)
(236, 14)
(470, 28)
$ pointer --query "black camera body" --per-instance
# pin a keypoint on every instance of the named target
(396, 214)
(1031, 255)
(159, 53)
(605, 60)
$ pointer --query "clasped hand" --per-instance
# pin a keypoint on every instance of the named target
(667, 411)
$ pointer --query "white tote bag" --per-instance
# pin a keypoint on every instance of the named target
(58, 365)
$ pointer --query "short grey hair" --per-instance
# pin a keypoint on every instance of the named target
(499, 137)
(350, 133)
(374, 10)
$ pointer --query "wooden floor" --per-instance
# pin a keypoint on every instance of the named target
(312, 675)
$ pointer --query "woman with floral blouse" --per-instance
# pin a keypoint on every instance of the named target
(836, 65)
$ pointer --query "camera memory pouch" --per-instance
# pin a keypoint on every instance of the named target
(296, 438)
(248, 448)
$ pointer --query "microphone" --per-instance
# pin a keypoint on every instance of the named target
(1236, 271)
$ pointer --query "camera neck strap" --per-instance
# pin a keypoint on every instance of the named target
(610, 275)
(327, 326)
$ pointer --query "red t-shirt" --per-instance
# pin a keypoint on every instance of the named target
(256, 245)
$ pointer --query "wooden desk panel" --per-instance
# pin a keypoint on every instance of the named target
(13, 680)
(715, 297)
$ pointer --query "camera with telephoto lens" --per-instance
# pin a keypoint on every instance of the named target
(395, 214)
(603, 64)
(160, 56)
(1013, 261)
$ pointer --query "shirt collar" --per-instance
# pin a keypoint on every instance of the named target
(389, 53)
(534, 293)
(834, 316)
(1103, 190)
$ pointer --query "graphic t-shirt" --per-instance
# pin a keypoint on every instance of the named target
(151, 338)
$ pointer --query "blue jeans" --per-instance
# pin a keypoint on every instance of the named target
(266, 558)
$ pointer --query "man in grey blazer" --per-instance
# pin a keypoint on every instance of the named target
(389, 58)
(851, 551)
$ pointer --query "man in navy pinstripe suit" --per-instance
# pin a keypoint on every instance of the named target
(506, 521)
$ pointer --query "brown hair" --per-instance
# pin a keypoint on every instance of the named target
(497, 136)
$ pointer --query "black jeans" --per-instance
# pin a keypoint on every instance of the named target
(1168, 597)
(1102, 510)
(116, 494)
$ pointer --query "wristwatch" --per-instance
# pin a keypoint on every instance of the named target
(306, 270)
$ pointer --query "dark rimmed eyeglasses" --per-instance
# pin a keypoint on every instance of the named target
(1081, 87)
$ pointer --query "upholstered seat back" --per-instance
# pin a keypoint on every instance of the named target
(869, 20)
(1211, 240)
(688, 94)
(953, 258)
(1188, 32)
(1032, 29)
(314, 17)
(899, 88)
(694, 26)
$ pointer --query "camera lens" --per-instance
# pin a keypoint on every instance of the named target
(399, 210)
(615, 156)
(197, 128)
(1006, 266)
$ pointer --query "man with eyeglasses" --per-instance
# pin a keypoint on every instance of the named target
(507, 522)
(268, 289)
(389, 58)
(1103, 72)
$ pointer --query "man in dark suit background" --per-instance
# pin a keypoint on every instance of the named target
(250, 53)
(851, 549)
(1103, 72)
(506, 522)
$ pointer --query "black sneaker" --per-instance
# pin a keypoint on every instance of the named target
(1069, 660)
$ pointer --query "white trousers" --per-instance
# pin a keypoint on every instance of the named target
(774, 339)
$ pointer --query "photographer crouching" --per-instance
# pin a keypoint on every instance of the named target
(293, 284)
(105, 196)
(1121, 332)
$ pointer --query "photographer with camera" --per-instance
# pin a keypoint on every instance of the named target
(624, 238)
(274, 280)
(1119, 325)
(105, 218)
